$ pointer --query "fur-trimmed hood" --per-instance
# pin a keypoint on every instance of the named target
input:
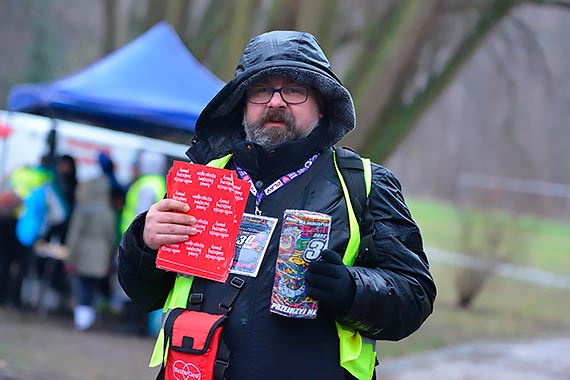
(291, 54)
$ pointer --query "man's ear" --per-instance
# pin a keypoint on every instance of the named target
(321, 104)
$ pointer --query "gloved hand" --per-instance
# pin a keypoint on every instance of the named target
(329, 282)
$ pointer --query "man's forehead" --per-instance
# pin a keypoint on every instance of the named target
(272, 80)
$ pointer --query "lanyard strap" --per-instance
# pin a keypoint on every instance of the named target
(279, 183)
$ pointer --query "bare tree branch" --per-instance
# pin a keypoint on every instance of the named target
(386, 64)
(398, 118)
(533, 44)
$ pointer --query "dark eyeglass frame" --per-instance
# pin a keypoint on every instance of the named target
(279, 90)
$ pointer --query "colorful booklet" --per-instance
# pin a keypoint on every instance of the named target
(304, 234)
(217, 199)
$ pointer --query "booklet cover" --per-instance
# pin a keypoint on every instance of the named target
(304, 234)
(217, 199)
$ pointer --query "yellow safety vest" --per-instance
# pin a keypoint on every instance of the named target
(25, 179)
(357, 354)
(155, 181)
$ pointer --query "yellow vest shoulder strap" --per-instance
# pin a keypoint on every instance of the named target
(357, 354)
(154, 181)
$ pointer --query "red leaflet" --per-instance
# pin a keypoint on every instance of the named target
(217, 199)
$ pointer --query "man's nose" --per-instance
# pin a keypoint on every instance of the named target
(276, 100)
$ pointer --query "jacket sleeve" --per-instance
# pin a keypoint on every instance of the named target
(30, 223)
(74, 233)
(145, 284)
(395, 294)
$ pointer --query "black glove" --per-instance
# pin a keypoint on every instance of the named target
(330, 283)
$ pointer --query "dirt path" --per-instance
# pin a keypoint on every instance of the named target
(537, 359)
(48, 348)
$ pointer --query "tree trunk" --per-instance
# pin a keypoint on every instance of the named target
(235, 40)
(208, 32)
(177, 14)
(155, 12)
(109, 29)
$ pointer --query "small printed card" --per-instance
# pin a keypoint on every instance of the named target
(217, 199)
(304, 234)
(253, 238)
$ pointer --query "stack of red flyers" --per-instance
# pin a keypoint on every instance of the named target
(217, 199)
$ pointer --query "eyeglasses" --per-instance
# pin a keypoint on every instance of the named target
(297, 94)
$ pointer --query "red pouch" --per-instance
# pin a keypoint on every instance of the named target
(194, 340)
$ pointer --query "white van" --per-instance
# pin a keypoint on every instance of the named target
(26, 142)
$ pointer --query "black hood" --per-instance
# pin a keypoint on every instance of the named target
(290, 54)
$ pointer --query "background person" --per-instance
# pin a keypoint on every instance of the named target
(45, 219)
(90, 240)
(148, 188)
(117, 194)
(14, 257)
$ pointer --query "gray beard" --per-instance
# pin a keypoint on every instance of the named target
(270, 138)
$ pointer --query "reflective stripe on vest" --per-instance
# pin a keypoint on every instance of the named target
(357, 354)
(24, 180)
(154, 181)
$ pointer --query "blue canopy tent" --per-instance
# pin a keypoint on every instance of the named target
(152, 86)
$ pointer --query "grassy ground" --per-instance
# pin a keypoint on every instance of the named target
(505, 307)
(547, 243)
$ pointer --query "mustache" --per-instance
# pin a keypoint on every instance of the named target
(277, 115)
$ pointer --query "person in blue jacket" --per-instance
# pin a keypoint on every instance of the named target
(45, 216)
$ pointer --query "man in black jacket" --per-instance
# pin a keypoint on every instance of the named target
(283, 111)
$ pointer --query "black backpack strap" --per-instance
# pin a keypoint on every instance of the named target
(236, 284)
(196, 296)
(352, 169)
(222, 361)
(195, 300)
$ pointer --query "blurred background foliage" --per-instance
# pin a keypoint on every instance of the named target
(396, 56)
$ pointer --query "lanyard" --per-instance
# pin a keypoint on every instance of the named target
(279, 183)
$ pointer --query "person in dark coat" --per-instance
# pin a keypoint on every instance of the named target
(284, 110)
